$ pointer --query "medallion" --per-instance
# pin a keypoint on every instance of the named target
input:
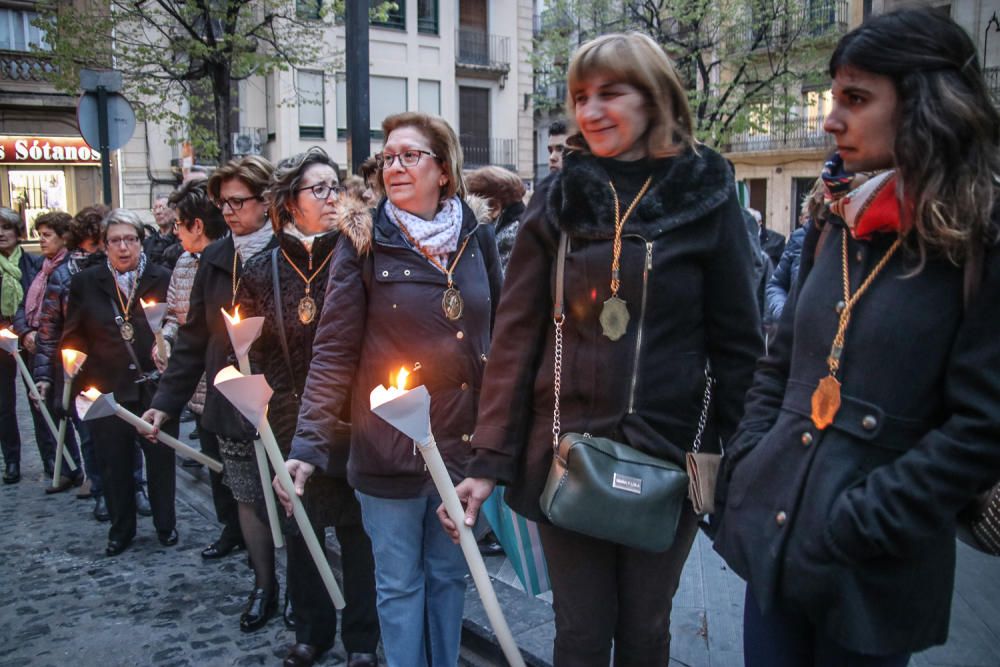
(825, 402)
(307, 309)
(452, 303)
(127, 331)
(614, 318)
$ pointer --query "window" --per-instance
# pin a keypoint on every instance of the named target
(312, 104)
(427, 17)
(308, 9)
(429, 96)
(396, 18)
(17, 33)
(386, 94)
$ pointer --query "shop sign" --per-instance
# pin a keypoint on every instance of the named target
(23, 150)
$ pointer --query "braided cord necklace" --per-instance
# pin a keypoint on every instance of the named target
(614, 313)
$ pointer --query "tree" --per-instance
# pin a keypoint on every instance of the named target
(182, 59)
(743, 62)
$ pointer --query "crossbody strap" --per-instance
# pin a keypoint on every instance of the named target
(119, 319)
(279, 319)
(559, 317)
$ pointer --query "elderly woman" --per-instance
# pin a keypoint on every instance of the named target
(657, 286)
(105, 321)
(203, 348)
(415, 281)
(503, 191)
(287, 287)
(17, 271)
(51, 228)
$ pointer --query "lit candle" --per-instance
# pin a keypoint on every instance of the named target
(72, 361)
(155, 312)
(8, 343)
(409, 412)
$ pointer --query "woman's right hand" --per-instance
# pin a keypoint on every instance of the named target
(300, 472)
(156, 418)
(161, 364)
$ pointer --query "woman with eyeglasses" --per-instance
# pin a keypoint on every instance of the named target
(17, 271)
(287, 287)
(202, 347)
(105, 321)
(413, 284)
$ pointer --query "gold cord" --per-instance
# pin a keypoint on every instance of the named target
(307, 281)
(619, 224)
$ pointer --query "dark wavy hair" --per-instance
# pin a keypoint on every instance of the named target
(86, 225)
(498, 186)
(57, 221)
(286, 179)
(191, 201)
(946, 148)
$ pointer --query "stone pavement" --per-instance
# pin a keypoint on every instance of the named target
(63, 601)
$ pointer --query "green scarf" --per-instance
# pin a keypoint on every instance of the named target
(11, 291)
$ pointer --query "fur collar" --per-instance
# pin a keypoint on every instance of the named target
(355, 219)
(684, 189)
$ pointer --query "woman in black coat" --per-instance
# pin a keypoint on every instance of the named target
(17, 270)
(685, 269)
(105, 321)
(287, 287)
(873, 421)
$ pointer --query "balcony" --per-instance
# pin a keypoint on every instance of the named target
(551, 87)
(992, 76)
(21, 66)
(792, 134)
(482, 54)
(807, 20)
(484, 151)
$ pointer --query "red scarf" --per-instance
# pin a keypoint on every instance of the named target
(873, 208)
(33, 301)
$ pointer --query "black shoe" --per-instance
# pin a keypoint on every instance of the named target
(221, 548)
(115, 547)
(489, 546)
(362, 660)
(12, 474)
(194, 435)
(260, 607)
(101, 512)
(302, 655)
(142, 503)
(191, 463)
(168, 538)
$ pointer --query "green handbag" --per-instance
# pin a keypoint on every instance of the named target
(602, 488)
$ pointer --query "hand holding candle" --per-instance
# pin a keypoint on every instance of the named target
(72, 361)
(155, 313)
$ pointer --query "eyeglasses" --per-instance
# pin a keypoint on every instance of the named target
(410, 158)
(122, 240)
(234, 203)
(323, 190)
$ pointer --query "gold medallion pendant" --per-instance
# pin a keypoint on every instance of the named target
(614, 318)
(452, 303)
(825, 402)
(307, 309)
(127, 331)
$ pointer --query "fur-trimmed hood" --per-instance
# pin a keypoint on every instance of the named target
(684, 189)
(355, 220)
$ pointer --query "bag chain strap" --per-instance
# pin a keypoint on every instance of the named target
(558, 318)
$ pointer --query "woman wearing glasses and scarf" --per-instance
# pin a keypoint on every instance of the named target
(104, 320)
(413, 282)
(203, 347)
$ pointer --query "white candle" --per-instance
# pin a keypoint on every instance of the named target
(8, 342)
(72, 361)
(154, 315)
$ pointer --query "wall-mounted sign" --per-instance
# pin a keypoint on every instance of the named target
(24, 150)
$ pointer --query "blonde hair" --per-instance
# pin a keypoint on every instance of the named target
(635, 59)
(498, 186)
(253, 170)
(443, 143)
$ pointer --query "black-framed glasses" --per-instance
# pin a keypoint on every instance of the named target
(234, 203)
(410, 158)
(323, 190)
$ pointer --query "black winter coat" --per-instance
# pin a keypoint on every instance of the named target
(30, 265)
(203, 346)
(686, 277)
(48, 359)
(383, 311)
(90, 327)
(854, 526)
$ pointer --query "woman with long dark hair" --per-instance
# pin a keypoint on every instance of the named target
(873, 420)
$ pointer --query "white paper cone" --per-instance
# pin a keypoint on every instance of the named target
(8, 341)
(410, 413)
(242, 334)
(154, 315)
(249, 394)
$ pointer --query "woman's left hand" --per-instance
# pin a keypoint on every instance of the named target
(472, 492)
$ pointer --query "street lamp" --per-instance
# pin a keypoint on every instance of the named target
(995, 22)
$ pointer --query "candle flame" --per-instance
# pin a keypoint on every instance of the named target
(7, 333)
(93, 393)
(147, 304)
(235, 317)
(69, 357)
(401, 379)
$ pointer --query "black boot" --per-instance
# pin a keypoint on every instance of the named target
(260, 607)
(101, 512)
(12, 473)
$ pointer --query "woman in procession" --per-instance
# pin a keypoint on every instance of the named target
(654, 228)
(873, 421)
(287, 287)
(413, 283)
(105, 321)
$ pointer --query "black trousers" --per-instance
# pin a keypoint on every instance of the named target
(313, 611)
(114, 441)
(10, 435)
(222, 497)
(44, 438)
(604, 592)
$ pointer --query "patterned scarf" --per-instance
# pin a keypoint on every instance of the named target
(36, 292)
(439, 236)
(10, 283)
(129, 279)
(871, 207)
(250, 244)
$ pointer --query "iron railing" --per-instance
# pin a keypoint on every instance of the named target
(20, 66)
(992, 75)
(793, 133)
(478, 49)
(551, 86)
(809, 19)
(484, 151)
